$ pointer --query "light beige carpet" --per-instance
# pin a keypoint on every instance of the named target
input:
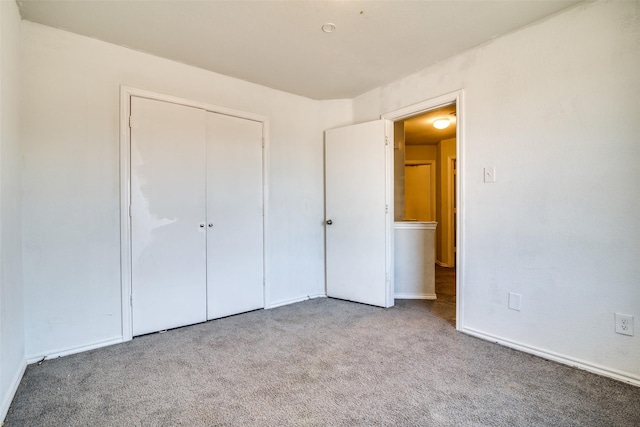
(322, 362)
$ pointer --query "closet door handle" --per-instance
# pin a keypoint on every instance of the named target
(210, 224)
(201, 225)
(329, 222)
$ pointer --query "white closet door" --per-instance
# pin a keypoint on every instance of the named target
(168, 215)
(234, 216)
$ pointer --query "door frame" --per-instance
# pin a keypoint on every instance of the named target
(126, 92)
(452, 207)
(456, 97)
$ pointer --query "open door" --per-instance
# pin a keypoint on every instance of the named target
(359, 213)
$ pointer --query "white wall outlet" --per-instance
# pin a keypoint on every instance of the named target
(624, 324)
(514, 301)
(489, 174)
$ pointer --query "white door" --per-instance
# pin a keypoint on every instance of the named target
(358, 213)
(168, 230)
(234, 215)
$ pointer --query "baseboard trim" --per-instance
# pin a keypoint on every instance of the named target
(11, 391)
(415, 296)
(556, 357)
(73, 350)
(294, 300)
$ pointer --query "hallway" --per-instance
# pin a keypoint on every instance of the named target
(445, 305)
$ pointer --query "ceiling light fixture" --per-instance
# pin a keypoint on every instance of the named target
(329, 27)
(441, 123)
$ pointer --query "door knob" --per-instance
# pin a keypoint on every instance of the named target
(201, 225)
(329, 222)
(210, 224)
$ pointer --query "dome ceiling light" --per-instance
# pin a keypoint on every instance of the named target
(441, 123)
(329, 27)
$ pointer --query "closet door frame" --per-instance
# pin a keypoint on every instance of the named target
(126, 92)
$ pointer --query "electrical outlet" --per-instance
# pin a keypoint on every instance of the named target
(624, 324)
(514, 301)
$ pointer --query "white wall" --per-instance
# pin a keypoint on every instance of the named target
(71, 180)
(12, 349)
(554, 107)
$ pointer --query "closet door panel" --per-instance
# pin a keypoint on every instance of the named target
(234, 216)
(167, 211)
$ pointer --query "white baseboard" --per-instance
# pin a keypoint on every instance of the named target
(556, 357)
(11, 391)
(294, 300)
(72, 350)
(415, 296)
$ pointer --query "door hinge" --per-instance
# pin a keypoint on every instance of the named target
(130, 121)
(386, 140)
(131, 300)
(129, 211)
(386, 209)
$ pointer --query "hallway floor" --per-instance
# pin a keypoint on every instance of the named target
(446, 293)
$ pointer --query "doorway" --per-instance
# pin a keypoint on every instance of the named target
(418, 142)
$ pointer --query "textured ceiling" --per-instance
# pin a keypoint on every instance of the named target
(280, 44)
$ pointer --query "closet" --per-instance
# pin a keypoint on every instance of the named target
(196, 215)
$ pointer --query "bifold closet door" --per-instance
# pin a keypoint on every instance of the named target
(168, 262)
(234, 216)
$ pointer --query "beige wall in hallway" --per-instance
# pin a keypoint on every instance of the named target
(446, 151)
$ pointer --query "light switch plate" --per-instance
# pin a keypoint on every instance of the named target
(489, 174)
